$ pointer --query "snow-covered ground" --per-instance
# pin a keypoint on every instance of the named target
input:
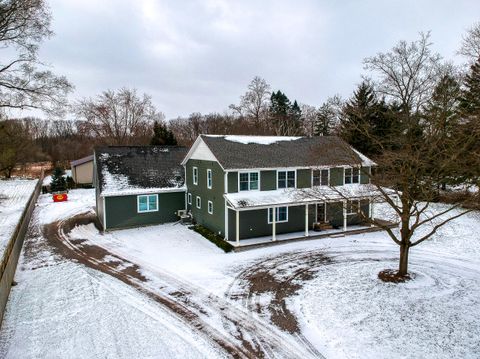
(14, 196)
(62, 307)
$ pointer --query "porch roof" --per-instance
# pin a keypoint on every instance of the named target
(294, 196)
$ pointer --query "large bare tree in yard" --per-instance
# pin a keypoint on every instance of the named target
(470, 47)
(416, 152)
(119, 118)
(25, 82)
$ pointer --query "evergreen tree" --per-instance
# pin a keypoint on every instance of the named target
(295, 118)
(58, 184)
(470, 98)
(327, 118)
(162, 135)
(285, 116)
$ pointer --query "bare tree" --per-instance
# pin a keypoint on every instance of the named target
(309, 117)
(408, 73)
(120, 118)
(254, 103)
(25, 83)
(412, 158)
(470, 47)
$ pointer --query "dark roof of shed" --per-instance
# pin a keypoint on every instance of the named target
(301, 152)
(123, 168)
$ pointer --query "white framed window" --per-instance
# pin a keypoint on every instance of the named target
(281, 214)
(189, 198)
(198, 202)
(352, 175)
(209, 178)
(321, 177)
(286, 179)
(147, 203)
(210, 207)
(195, 175)
(248, 181)
(353, 206)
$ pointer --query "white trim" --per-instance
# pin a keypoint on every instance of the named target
(195, 180)
(286, 177)
(237, 227)
(198, 202)
(209, 171)
(189, 199)
(225, 190)
(276, 213)
(271, 168)
(238, 181)
(351, 206)
(209, 203)
(148, 203)
(104, 215)
(211, 156)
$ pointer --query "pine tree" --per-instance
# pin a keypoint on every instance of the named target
(470, 98)
(162, 135)
(58, 183)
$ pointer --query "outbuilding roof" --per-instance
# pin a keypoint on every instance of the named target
(123, 170)
(81, 161)
(243, 152)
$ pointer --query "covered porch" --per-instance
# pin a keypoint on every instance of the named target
(284, 215)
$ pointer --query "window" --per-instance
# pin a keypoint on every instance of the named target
(286, 179)
(198, 202)
(320, 177)
(147, 203)
(210, 207)
(352, 175)
(209, 178)
(353, 206)
(195, 175)
(281, 214)
(248, 181)
(189, 198)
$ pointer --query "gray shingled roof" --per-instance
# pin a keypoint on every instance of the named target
(301, 152)
(123, 168)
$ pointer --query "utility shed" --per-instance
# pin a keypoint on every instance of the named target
(138, 185)
(82, 171)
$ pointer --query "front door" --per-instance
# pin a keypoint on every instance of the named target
(321, 212)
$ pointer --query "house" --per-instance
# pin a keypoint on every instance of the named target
(138, 185)
(239, 187)
(82, 171)
(251, 186)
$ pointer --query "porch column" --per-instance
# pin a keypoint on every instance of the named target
(372, 210)
(274, 224)
(344, 216)
(237, 227)
(306, 220)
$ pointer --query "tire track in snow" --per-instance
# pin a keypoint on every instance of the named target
(236, 331)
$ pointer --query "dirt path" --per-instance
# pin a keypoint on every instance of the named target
(239, 333)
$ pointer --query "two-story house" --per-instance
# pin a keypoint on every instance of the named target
(251, 186)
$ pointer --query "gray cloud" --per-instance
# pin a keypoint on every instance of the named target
(200, 55)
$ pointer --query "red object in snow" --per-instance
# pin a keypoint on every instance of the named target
(62, 197)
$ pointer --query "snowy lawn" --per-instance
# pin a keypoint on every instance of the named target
(61, 307)
(14, 196)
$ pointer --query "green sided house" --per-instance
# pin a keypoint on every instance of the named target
(243, 187)
(138, 185)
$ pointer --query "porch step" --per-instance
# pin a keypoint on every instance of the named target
(337, 235)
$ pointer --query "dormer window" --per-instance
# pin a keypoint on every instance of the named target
(286, 179)
(352, 175)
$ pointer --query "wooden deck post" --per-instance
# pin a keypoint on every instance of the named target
(344, 216)
(237, 227)
(371, 211)
(306, 220)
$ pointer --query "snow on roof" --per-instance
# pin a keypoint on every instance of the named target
(131, 170)
(279, 197)
(367, 162)
(261, 140)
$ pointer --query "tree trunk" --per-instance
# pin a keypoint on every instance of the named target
(403, 265)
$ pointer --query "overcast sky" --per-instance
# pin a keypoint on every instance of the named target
(199, 56)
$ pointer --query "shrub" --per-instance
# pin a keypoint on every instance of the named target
(212, 237)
